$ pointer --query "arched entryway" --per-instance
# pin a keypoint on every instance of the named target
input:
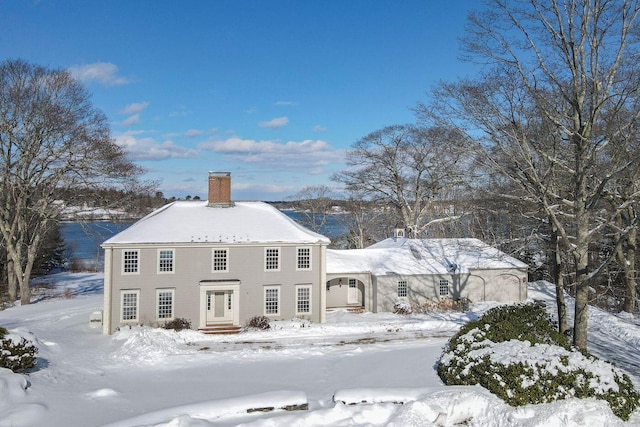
(347, 292)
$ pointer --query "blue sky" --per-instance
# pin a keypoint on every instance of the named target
(273, 91)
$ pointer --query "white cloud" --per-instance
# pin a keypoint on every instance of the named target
(105, 73)
(285, 104)
(275, 123)
(150, 149)
(262, 188)
(193, 132)
(307, 154)
(131, 120)
(136, 107)
(319, 128)
(181, 112)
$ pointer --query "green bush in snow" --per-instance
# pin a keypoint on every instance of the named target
(516, 353)
(16, 355)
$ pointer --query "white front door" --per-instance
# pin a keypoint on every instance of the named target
(353, 295)
(219, 306)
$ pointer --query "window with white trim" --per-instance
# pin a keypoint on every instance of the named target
(402, 288)
(165, 260)
(129, 305)
(352, 283)
(130, 262)
(304, 259)
(164, 303)
(444, 288)
(220, 260)
(272, 300)
(303, 299)
(272, 259)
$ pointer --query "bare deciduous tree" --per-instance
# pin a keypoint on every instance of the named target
(409, 167)
(365, 221)
(314, 202)
(51, 137)
(556, 111)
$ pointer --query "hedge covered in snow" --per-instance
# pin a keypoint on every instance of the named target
(516, 353)
(16, 352)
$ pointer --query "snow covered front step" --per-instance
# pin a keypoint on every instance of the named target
(357, 309)
(221, 329)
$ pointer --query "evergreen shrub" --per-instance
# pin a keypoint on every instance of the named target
(517, 354)
(18, 356)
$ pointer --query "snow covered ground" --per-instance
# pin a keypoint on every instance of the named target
(355, 370)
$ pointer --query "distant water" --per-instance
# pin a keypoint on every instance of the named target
(84, 239)
(333, 227)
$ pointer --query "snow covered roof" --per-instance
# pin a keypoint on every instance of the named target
(194, 221)
(420, 256)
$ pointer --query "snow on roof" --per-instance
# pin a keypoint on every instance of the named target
(420, 256)
(194, 221)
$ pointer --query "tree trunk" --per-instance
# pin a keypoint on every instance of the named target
(581, 248)
(557, 272)
(629, 266)
(32, 252)
(581, 257)
(582, 301)
(11, 280)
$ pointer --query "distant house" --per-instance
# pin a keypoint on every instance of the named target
(417, 270)
(216, 263)
(219, 263)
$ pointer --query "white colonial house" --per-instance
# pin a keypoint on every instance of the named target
(219, 263)
(216, 263)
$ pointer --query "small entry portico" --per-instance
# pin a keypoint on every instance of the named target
(219, 303)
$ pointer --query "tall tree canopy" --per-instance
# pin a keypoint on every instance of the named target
(51, 137)
(409, 167)
(556, 111)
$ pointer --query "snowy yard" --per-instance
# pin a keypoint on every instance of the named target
(145, 376)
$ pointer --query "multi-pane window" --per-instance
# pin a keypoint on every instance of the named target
(130, 262)
(402, 288)
(352, 283)
(304, 259)
(303, 299)
(272, 300)
(444, 287)
(129, 305)
(165, 261)
(221, 260)
(272, 259)
(165, 299)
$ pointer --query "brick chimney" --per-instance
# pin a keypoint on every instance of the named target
(220, 189)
